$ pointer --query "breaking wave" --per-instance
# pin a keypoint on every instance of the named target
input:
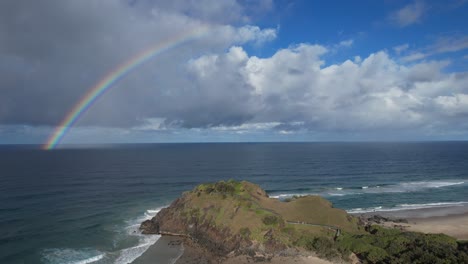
(71, 256)
(122, 256)
(402, 187)
(402, 207)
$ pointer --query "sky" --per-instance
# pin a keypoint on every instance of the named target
(266, 70)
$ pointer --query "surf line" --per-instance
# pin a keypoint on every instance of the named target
(117, 74)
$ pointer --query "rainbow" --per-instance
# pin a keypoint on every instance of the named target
(117, 74)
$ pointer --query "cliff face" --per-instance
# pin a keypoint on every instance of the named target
(239, 217)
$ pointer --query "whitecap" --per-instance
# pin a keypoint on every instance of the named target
(71, 256)
(337, 194)
(402, 187)
(289, 195)
(127, 255)
(153, 212)
(402, 207)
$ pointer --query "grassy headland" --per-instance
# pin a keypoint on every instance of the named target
(238, 218)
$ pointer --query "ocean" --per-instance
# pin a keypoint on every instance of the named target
(84, 205)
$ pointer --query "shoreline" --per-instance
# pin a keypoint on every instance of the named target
(452, 221)
(167, 249)
(176, 250)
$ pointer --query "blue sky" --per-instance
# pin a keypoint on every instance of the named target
(267, 71)
(371, 25)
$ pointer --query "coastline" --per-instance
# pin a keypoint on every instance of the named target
(167, 249)
(452, 225)
(452, 221)
(176, 250)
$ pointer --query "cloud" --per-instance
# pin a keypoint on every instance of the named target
(456, 104)
(52, 52)
(450, 44)
(375, 94)
(414, 56)
(346, 43)
(441, 46)
(409, 14)
(400, 48)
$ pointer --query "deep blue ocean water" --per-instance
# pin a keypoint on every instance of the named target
(84, 205)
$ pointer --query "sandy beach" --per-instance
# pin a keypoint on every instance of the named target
(452, 225)
(182, 251)
(166, 250)
(452, 221)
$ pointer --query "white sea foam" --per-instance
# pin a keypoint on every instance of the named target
(153, 212)
(337, 194)
(402, 187)
(127, 255)
(402, 207)
(71, 256)
(90, 260)
(88, 255)
(289, 195)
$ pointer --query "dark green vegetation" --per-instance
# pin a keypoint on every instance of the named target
(384, 245)
(239, 217)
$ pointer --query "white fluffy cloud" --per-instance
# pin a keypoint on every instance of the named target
(295, 85)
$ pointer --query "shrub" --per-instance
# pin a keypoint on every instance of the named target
(245, 232)
(383, 245)
(271, 220)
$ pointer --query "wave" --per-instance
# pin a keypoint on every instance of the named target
(402, 187)
(403, 207)
(125, 255)
(71, 256)
(128, 255)
(153, 212)
(289, 195)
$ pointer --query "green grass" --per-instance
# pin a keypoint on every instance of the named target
(245, 210)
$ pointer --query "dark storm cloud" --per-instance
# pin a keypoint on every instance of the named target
(53, 51)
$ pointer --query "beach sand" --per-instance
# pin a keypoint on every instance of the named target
(452, 221)
(452, 225)
(166, 250)
(182, 251)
